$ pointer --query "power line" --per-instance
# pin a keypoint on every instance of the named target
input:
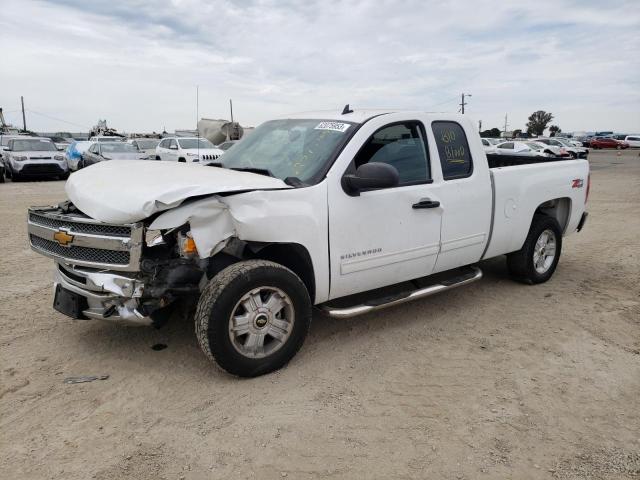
(56, 119)
(442, 103)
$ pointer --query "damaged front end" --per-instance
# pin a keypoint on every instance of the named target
(119, 273)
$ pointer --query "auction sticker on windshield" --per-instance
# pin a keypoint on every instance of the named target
(335, 126)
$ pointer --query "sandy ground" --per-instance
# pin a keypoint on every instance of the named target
(493, 380)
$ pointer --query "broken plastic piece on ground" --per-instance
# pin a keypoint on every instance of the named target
(85, 378)
(158, 346)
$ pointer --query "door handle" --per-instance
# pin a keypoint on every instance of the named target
(426, 203)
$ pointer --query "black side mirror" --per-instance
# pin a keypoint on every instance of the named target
(371, 176)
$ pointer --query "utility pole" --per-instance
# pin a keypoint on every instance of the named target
(462, 104)
(505, 123)
(24, 119)
(479, 125)
(198, 113)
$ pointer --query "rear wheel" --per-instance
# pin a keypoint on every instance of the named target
(538, 258)
(253, 317)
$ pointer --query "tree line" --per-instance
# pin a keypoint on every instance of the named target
(536, 125)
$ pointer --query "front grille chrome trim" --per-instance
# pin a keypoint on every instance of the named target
(103, 251)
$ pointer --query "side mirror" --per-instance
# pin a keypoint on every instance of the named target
(371, 176)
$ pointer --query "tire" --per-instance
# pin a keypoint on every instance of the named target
(618, 147)
(2, 176)
(573, 155)
(221, 305)
(64, 176)
(522, 263)
(158, 157)
(182, 160)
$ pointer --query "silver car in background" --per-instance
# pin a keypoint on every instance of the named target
(33, 157)
(101, 151)
(147, 146)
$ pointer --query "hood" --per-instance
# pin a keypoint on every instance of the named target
(131, 190)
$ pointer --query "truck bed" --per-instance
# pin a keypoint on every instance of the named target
(527, 184)
(496, 160)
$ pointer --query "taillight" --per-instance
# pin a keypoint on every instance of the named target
(586, 197)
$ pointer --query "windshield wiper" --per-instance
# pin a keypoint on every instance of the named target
(259, 171)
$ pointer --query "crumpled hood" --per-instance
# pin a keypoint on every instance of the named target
(131, 190)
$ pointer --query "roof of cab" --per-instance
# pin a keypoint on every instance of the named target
(356, 116)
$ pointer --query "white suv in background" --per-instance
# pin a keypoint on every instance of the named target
(633, 140)
(187, 149)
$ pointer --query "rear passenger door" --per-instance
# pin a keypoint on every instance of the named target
(465, 194)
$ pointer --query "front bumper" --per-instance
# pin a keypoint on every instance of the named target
(110, 297)
(35, 169)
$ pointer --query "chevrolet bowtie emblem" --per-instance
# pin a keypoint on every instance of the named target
(63, 237)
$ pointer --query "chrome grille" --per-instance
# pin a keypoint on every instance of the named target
(90, 228)
(83, 254)
(78, 240)
(210, 157)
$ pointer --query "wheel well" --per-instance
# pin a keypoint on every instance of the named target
(295, 257)
(558, 208)
(182, 159)
(291, 255)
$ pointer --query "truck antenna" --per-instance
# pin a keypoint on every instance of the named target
(346, 109)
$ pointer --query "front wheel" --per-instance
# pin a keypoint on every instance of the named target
(253, 317)
(538, 258)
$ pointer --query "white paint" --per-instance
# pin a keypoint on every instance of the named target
(130, 191)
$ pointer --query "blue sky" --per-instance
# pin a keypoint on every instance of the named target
(137, 63)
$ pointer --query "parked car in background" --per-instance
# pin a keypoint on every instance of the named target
(607, 142)
(33, 157)
(100, 151)
(488, 146)
(4, 141)
(106, 138)
(566, 146)
(145, 145)
(73, 153)
(633, 140)
(61, 142)
(523, 148)
(187, 149)
(2, 172)
(550, 150)
(227, 145)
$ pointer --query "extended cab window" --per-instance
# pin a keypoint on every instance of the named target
(400, 145)
(455, 156)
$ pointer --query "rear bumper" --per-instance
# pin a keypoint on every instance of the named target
(583, 220)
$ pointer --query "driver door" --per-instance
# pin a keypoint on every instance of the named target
(389, 235)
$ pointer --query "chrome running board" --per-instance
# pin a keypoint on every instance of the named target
(378, 304)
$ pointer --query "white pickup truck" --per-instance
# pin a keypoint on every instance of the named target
(349, 212)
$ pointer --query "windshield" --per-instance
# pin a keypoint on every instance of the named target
(109, 139)
(187, 143)
(34, 146)
(117, 147)
(145, 144)
(289, 148)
